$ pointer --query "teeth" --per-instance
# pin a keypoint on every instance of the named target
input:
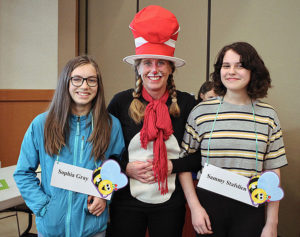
(82, 93)
(154, 78)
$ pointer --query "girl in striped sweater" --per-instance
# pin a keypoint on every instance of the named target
(239, 133)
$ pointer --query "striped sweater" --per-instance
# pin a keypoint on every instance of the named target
(233, 140)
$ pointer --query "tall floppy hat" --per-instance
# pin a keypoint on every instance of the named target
(155, 31)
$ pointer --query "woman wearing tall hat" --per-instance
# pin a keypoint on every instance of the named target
(153, 117)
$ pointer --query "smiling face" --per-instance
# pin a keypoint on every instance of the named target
(233, 75)
(83, 95)
(155, 74)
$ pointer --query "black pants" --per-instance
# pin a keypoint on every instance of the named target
(231, 218)
(133, 221)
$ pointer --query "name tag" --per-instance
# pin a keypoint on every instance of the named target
(74, 178)
(225, 183)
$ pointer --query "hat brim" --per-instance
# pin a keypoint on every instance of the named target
(178, 62)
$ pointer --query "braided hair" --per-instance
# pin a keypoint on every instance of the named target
(137, 108)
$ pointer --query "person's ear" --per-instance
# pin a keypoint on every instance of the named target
(202, 96)
(138, 68)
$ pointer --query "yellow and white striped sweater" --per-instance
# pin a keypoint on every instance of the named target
(233, 141)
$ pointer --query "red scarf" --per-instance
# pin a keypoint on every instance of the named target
(157, 127)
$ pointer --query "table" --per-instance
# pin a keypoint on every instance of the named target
(11, 199)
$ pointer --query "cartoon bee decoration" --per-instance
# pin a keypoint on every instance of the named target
(265, 188)
(259, 196)
(105, 187)
(96, 176)
(253, 183)
(108, 178)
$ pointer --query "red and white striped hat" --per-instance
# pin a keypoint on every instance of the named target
(155, 31)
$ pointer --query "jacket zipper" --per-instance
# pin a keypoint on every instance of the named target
(70, 196)
(81, 149)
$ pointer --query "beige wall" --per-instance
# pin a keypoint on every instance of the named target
(109, 40)
(67, 32)
(272, 27)
(29, 50)
(28, 44)
(37, 38)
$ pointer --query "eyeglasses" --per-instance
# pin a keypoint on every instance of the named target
(78, 81)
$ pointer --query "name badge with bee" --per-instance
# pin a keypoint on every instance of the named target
(99, 183)
(73, 178)
(108, 178)
(265, 188)
(225, 183)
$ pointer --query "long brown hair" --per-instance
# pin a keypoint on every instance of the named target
(137, 108)
(57, 128)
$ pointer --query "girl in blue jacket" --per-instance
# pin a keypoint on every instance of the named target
(77, 130)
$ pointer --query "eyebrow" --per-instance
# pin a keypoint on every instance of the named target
(231, 63)
(84, 77)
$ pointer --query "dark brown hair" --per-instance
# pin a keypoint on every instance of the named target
(57, 128)
(206, 87)
(260, 80)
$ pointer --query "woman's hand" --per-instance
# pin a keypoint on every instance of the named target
(96, 205)
(170, 165)
(141, 171)
(200, 221)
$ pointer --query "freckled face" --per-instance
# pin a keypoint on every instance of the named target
(233, 75)
(83, 95)
(155, 74)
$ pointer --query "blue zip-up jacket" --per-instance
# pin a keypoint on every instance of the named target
(60, 212)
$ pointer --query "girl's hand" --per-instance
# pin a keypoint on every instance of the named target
(96, 205)
(200, 221)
